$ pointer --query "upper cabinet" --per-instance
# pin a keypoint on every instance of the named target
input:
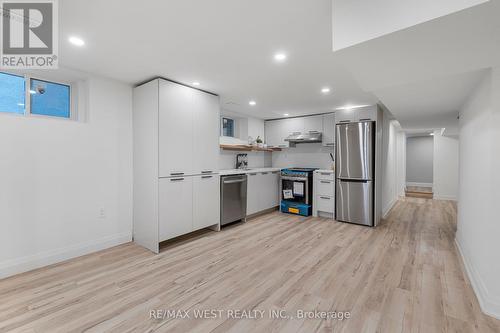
(188, 131)
(366, 113)
(278, 130)
(329, 129)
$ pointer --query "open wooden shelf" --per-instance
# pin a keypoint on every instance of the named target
(247, 148)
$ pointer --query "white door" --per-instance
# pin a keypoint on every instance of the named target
(175, 207)
(175, 135)
(206, 133)
(329, 129)
(253, 193)
(206, 201)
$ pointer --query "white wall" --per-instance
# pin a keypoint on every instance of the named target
(478, 219)
(445, 167)
(393, 150)
(305, 155)
(358, 21)
(227, 159)
(419, 160)
(57, 175)
(401, 163)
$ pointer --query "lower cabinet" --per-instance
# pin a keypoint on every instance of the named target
(262, 191)
(324, 193)
(206, 201)
(187, 204)
(175, 199)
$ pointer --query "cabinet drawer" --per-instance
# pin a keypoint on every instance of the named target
(325, 203)
(325, 176)
(325, 187)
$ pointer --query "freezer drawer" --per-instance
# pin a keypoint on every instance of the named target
(354, 202)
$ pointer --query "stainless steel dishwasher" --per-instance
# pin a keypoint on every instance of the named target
(233, 199)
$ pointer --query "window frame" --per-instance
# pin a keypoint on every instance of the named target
(27, 96)
(222, 126)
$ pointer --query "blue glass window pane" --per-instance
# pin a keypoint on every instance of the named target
(227, 127)
(50, 99)
(12, 93)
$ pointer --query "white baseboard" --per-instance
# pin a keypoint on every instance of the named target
(420, 184)
(387, 209)
(445, 197)
(489, 306)
(28, 263)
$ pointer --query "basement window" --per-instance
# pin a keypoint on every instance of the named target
(228, 127)
(27, 96)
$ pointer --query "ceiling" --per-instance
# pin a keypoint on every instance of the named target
(422, 74)
(227, 46)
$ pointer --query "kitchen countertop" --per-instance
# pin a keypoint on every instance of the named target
(250, 170)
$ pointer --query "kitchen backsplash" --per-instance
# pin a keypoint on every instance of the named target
(310, 155)
(227, 159)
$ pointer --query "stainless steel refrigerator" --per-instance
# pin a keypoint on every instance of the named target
(355, 172)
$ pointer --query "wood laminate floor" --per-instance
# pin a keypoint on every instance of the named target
(403, 276)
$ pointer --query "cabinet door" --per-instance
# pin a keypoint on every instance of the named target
(206, 133)
(176, 108)
(271, 185)
(345, 116)
(274, 130)
(206, 201)
(312, 124)
(329, 129)
(175, 207)
(253, 193)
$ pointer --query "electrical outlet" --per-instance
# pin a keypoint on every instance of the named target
(102, 213)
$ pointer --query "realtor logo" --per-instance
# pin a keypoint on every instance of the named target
(29, 34)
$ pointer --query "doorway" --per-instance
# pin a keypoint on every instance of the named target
(419, 166)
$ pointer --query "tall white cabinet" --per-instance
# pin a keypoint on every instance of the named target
(176, 150)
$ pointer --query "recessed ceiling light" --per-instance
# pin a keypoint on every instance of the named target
(431, 134)
(76, 41)
(32, 92)
(280, 57)
(196, 83)
(286, 114)
(252, 103)
(325, 90)
(20, 104)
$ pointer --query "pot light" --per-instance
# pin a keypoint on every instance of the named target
(286, 114)
(280, 57)
(76, 41)
(431, 134)
(252, 103)
(32, 92)
(325, 90)
(196, 83)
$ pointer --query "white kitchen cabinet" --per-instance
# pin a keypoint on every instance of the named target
(312, 124)
(176, 119)
(206, 201)
(271, 184)
(262, 191)
(365, 113)
(324, 193)
(329, 129)
(176, 153)
(175, 207)
(254, 181)
(206, 133)
(275, 132)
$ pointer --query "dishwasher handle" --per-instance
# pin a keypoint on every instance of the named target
(234, 181)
